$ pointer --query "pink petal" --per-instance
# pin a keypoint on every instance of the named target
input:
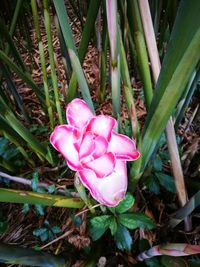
(63, 138)
(101, 145)
(102, 166)
(102, 125)
(87, 146)
(123, 147)
(109, 190)
(78, 113)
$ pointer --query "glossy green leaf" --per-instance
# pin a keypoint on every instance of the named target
(135, 220)
(123, 238)
(166, 181)
(152, 184)
(123, 205)
(96, 233)
(113, 225)
(101, 221)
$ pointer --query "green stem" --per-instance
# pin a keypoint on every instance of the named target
(43, 63)
(47, 22)
(137, 31)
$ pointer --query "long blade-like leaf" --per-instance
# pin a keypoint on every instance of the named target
(30, 257)
(17, 196)
(180, 60)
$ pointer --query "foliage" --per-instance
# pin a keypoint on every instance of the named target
(117, 32)
(119, 221)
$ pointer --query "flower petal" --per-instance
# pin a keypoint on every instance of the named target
(78, 113)
(102, 125)
(123, 147)
(87, 146)
(109, 190)
(102, 166)
(63, 139)
(101, 145)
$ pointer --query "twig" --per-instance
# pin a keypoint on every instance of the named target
(58, 238)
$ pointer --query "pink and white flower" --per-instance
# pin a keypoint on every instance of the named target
(93, 149)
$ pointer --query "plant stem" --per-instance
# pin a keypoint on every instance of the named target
(43, 63)
(47, 21)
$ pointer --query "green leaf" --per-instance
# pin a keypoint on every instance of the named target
(135, 220)
(96, 233)
(173, 261)
(166, 181)
(3, 226)
(113, 225)
(40, 231)
(123, 238)
(81, 79)
(152, 184)
(44, 236)
(40, 209)
(51, 188)
(34, 181)
(124, 205)
(154, 262)
(157, 163)
(179, 62)
(56, 229)
(25, 208)
(101, 221)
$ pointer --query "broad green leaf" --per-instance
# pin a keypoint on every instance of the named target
(123, 238)
(101, 221)
(113, 225)
(96, 233)
(179, 62)
(157, 163)
(124, 205)
(166, 181)
(152, 184)
(135, 220)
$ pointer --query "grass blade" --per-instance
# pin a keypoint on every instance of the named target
(43, 63)
(10, 254)
(81, 79)
(47, 22)
(68, 37)
(17, 196)
(24, 76)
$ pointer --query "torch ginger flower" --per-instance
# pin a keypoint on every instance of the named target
(93, 149)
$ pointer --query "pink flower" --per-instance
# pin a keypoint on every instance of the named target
(92, 148)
